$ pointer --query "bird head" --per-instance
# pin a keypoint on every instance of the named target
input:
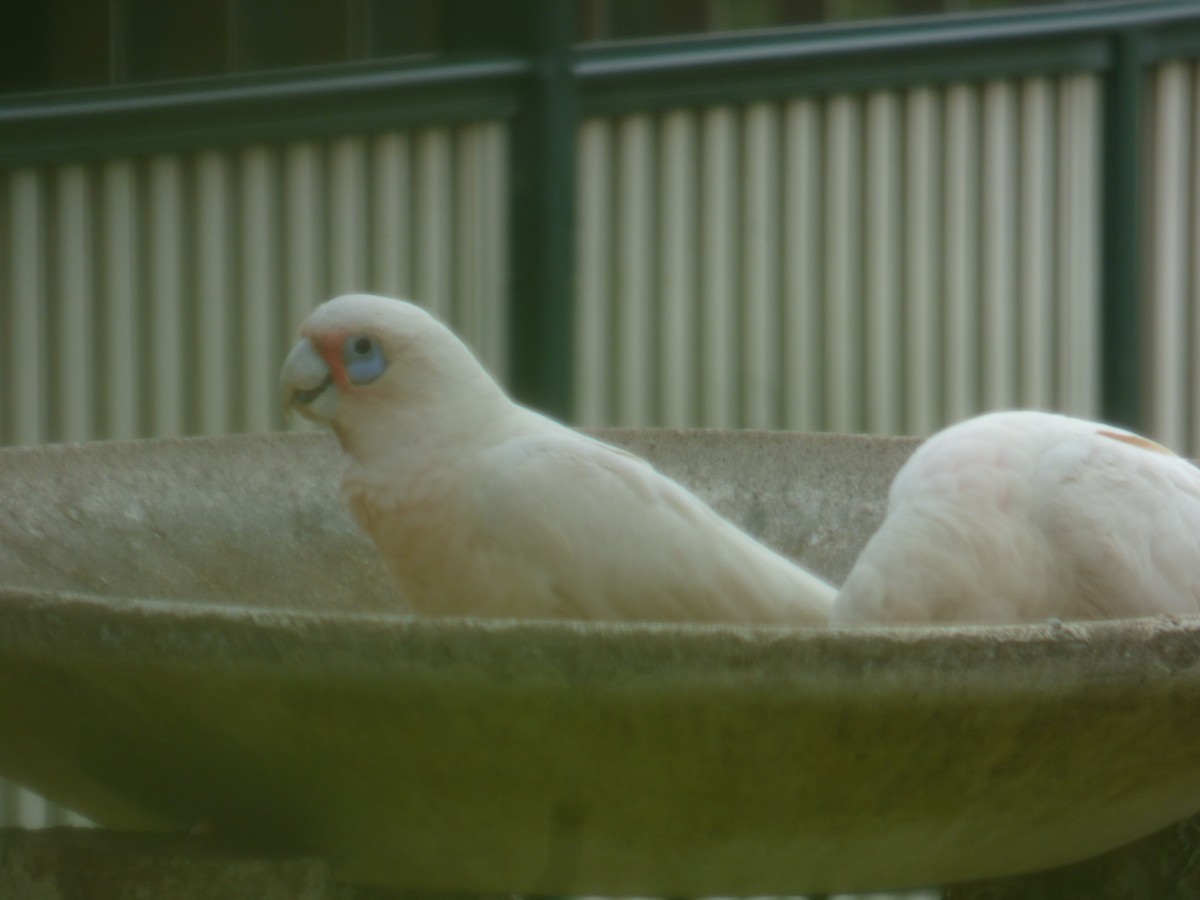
(362, 359)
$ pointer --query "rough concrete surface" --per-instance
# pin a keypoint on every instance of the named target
(89, 864)
(192, 633)
(95, 864)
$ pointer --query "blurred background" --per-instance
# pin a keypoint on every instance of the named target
(846, 215)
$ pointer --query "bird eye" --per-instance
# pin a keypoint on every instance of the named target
(363, 358)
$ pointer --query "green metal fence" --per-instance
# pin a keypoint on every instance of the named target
(521, 68)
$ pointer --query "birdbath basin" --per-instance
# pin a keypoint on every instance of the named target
(193, 633)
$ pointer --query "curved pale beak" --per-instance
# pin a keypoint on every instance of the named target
(306, 384)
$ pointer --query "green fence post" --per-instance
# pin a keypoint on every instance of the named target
(542, 218)
(1121, 314)
(541, 199)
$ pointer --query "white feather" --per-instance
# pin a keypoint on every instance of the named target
(1024, 516)
(481, 507)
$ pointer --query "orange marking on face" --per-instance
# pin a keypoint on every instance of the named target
(1136, 441)
(329, 345)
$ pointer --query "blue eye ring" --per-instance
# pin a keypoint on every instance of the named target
(363, 358)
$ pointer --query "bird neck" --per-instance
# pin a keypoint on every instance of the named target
(381, 432)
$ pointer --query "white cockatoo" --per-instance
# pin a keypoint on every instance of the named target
(1027, 516)
(481, 507)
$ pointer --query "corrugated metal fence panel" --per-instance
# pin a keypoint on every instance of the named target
(1075, 259)
(886, 262)
(158, 297)
(719, 222)
(1172, 270)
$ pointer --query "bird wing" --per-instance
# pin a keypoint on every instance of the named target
(615, 539)
(1126, 519)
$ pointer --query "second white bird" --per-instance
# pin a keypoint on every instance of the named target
(1023, 516)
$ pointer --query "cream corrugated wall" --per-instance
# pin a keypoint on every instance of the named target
(1171, 260)
(158, 297)
(886, 262)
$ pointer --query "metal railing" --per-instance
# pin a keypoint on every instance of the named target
(535, 81)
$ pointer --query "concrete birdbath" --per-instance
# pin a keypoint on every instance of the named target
(193, 633)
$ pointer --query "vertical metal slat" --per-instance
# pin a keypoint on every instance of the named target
(163, 303)
(214, 291)
(1192, 448)
(593, 313)
(922, 257)
(678, 367)
(434, 238)
(304, 233)
(470, 241)
(1078, 287)
(465, 245)
(73, 305)
(843, 264)
(120, 256)
(1167, 267)
(259, 218)
(961, 255)
(760, 344)
(719, 267)
(883, 378)
(635, 300)
(999, 264)
(392, 215)
(27, 302)
(1036, 245)
(803, 252)
(493, 216)
(347, 206)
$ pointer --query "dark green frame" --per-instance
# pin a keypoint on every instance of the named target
(542, 84)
